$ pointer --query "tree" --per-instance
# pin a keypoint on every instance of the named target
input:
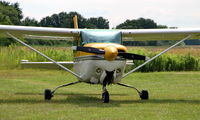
(10, 13)
(65, 20)
(29, 22)
(16, 6)
(5, 20)
(99, 23)
(46, 22)
(140, 23)
(143, 23)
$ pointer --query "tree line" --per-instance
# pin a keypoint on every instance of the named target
(11, 14)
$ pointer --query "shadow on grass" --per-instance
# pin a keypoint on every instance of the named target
(89, 100)
(66, 94)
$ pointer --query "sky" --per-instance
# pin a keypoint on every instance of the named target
(173, 13)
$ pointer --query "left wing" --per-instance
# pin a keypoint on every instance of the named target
(159, 34)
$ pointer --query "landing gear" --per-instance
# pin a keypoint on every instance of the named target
(107, 80)
(105, 97)
(105, 94)
(144, 95)
(48, 94)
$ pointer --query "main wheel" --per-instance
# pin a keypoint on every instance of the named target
(105, 97)
(144, 95)
(48, 94)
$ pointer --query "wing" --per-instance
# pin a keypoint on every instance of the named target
(127, 34)
(159, 34)
(40, 31)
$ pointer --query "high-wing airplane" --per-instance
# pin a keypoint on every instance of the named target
(99, 56)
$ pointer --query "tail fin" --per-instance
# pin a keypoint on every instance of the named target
(75, 22)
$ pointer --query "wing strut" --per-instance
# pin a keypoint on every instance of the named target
(63, 67)
(188, 37)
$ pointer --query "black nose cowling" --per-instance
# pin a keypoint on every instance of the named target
(109, 78)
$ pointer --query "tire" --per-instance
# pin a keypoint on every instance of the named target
(105, 97)
(47, 94)
(144, 95)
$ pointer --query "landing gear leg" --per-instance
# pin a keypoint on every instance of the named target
(48, 94)
(144, 95)
(107, 80)
(105, 95)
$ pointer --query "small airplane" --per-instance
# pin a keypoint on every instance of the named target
(99, 56)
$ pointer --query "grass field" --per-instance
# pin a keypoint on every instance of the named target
(173, 96)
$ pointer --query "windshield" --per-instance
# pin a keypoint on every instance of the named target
(100, 36)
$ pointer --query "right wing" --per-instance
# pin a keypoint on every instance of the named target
(40, 31)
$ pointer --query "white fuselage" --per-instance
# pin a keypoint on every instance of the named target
(92, 68)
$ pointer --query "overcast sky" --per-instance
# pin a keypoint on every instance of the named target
(179, 13)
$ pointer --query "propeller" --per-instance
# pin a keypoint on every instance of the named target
(88, 49)
(110, 53)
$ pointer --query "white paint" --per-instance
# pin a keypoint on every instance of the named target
(87, 69)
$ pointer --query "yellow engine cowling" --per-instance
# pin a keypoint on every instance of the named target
(111, 53)
(111, 50)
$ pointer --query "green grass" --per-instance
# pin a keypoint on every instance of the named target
(173, 95)
(12, 55)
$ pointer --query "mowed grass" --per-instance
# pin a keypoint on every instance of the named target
(173, 95)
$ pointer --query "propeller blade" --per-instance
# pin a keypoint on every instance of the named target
(89, 49)
(132, 56)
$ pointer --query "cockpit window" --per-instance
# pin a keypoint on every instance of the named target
(100, 36)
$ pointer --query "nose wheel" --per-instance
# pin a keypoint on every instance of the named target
(105, 97)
